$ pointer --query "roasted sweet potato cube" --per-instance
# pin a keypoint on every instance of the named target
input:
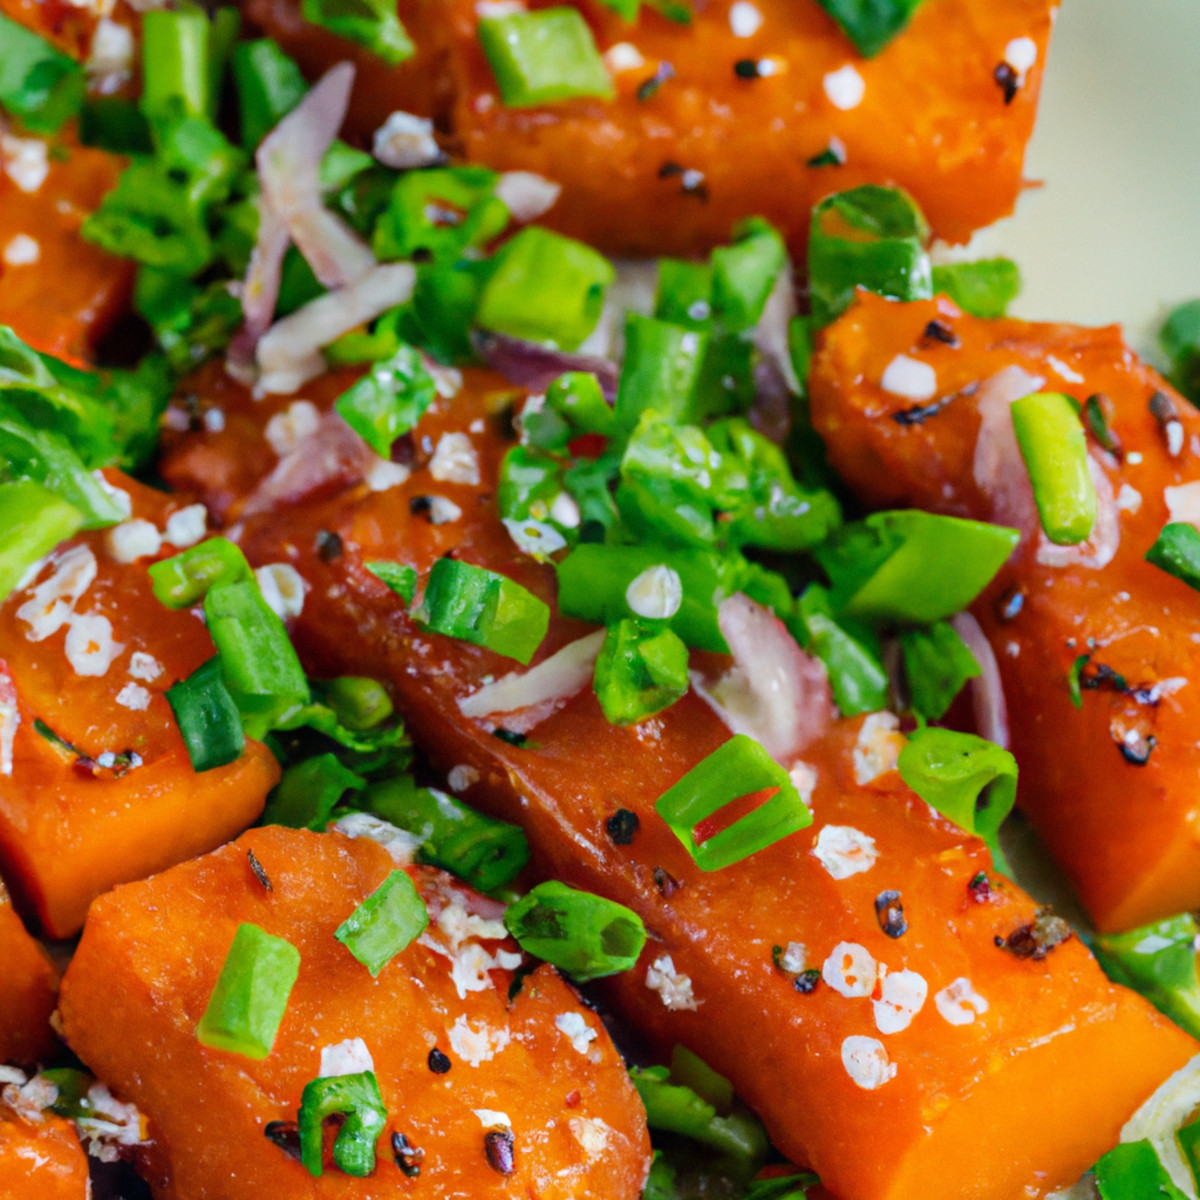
(41, 1157)
(28, 992)
(150, 956)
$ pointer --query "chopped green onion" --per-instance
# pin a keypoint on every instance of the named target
(33, 520)
(360, 703)
(388, 400)
(684, 293)
(739, 768)
(545, 287)
(207, 717)
(912, 567)
(871, 237)
(309, 792)
(1075, 679)
(744, 273)
(486, 853)
(357, 1099)
(116, 125)
(1180, 342)
(673, 1108)
(543, 56)
(370, 23)
(175, 62)
(586, 936)
(690, 1070)
(577, 398)
(782, 1187)
(186, 577)
(984, 288)
(969, 780)
(661, 371)
(400, 577)
(440, 213)
(1159, 961)
(250, 998)
(1133, 1171)
(849, 650)
(40, 85)
(484, 608)
(258, 663)
(936, 665)
(871, 24)
(1177, 551)
(1054, 448)
(391, 918)
(641, 669)
(269, 85)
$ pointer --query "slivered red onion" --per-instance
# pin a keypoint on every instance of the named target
(289, 165)
(289, 353)
(260, 288)
(775, 379)
(774, 692)
(987, 691)
(531, 366)
(998, 467)
(527, 698)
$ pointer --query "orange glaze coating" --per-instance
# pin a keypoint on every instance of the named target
(932, 119)
(1027, 1095)
(1127, 836)
(149, 958)
(42, 1158)
(28, 992)
(68, 833)
(66, 299)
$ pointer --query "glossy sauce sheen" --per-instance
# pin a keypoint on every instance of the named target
(149, 958)
(1126, 836)
(42, 1159)
(1026, 1095)
(932, 118)
(69, 832)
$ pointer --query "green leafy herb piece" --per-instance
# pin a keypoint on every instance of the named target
(309, 791)
(400, 577)
(356, 1098)
(208, 718)
(116, 125)
(250, 998)
(984, 288)
(388, 400)
(39, 85)
(1133, 1171)
(483, 852)
(1177, 551)
(1053, 445)
(936, 664)
(744, 273)
(969, 780)
(544, 56)
(370, 23)
(870, 237)
(871, 24)
(390, 919)
(584, 935)
(641, 669)
(739, 768)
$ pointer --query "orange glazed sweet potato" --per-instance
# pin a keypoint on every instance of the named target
(1109, 784)
(41, 1158)
(670, 169)
(149, 959)
(28, 992)
(95, 782)
(968, 1069)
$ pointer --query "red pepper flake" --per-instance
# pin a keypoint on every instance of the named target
(1037, 938)
(980, 888)
(572, 1099)
(498, 1149)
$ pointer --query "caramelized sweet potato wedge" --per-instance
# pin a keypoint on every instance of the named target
(671, 168)
(96, 786)
(28, 992)
(1011, 1071)
(149, 959)
(1109, 785)
(41, 1158)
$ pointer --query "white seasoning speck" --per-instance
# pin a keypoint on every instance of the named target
(878, 747)
(186, 526)
(475, 1046)
(22, 251)
(909, 378)
(491, 1118)
(623, 56)
(404, 141)
(850, 970)
(1129, 499)
(866, 1062)
(656, 593)
(844, 851)
(845, 87)
(25, 161)
(214, 420)
(794, 958)
(134, 697)
(744, 19)
(959, 1002)
(902, 995)
(144, 666)
(1134, 458)
(462, 777)
(591, 1133)
(804, 780)
(1183, 503)
(1174, 432)
(674, 988)
(286, 430)
(132, 540)
(1064, 371)
(383, 475)
(526, 194)
(577, 1030)
(1021, 54)
(110, 57)
(443, 511)
(350, 1057)
(52, 602)
(455, 460)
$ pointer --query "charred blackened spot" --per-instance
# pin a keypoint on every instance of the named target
(1036, 939)
(1008, 80)
(691, 181)
(622, 827)
(329, 545)
(806, 982)
(889, 912)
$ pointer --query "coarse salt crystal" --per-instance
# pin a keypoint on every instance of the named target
(845, 87)
(134, 697)
(1021, 54)
(455, 460)
(25, 160)
(1129, 499)
(90, 647)
(443, 511)
(132, 540)
(909, 378)
(902, 996)
(186, 526)
(1183, 503)
(22, 251)
(866, 1062)
(475, 1046)
(591, 1133)
(144, 666)
(674, 988)
(744, 19)
(794, 959)
(844, 851)
(576, 1028)
(491, 1118)
(850, 970)
(623, 56)
(959, 1002)
(404, 141)
(350, 1057)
